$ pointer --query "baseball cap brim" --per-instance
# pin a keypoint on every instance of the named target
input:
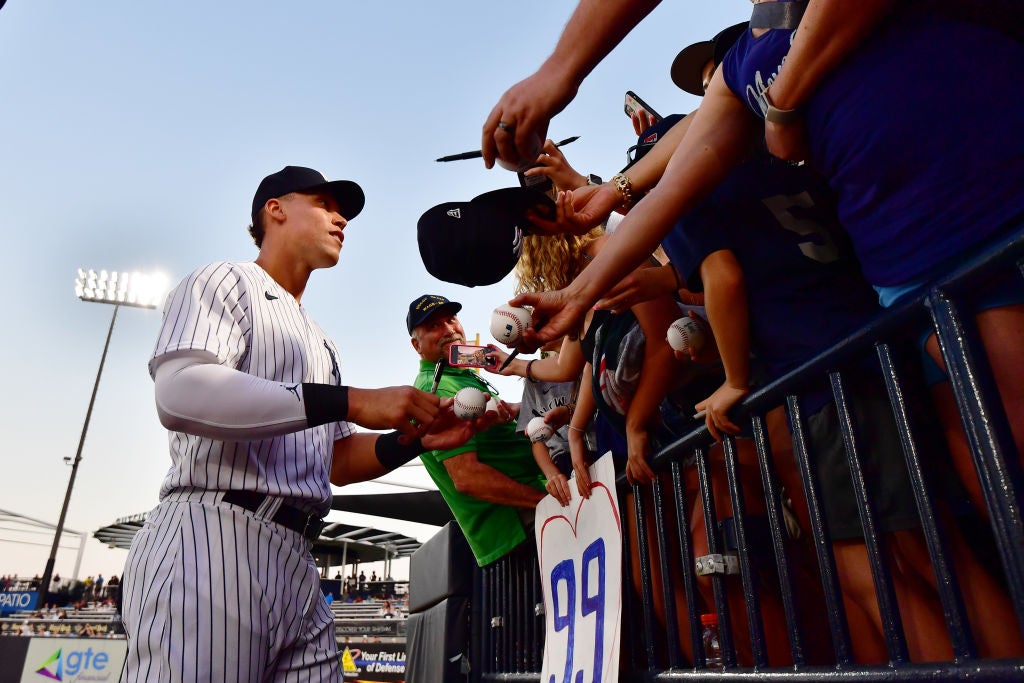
(688, 65)
(467, 243)
(515, 202)
(348, 194)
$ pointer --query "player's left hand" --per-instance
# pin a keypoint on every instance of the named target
(450, 431)
(787, 141)
(405, 409)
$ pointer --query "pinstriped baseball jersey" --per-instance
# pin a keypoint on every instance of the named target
(239, 314)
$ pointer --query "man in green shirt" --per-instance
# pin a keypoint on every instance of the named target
(491, 483)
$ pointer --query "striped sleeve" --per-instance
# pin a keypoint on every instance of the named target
(208, 311)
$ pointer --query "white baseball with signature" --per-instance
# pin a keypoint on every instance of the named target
(685, 334)
(508, 324)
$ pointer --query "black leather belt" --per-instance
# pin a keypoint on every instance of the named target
(290, 517)
(782, 14)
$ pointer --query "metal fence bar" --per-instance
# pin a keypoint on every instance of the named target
(988, 433)
(885, 594)
(631, 641)
(950, 595)
(750, 594)
(538, 619)
(822, 543)
(668, 592)
(773, 498)
(646, 576)
(725, 633)
(686, 557)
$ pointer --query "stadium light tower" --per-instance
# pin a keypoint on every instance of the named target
(138, 290)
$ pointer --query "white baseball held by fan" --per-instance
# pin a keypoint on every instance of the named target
(685, 334)
(469, 403)
(508, 324)
(538, 430)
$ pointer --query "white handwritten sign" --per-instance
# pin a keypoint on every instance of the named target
(579, 548)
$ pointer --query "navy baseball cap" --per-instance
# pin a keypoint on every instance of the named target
(689, 63)
(427, 305)
(649, 137)
(289, 179)
(471, 243)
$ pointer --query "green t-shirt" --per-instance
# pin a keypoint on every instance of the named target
(491, 529)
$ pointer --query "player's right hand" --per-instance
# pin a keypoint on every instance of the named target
(408, 410)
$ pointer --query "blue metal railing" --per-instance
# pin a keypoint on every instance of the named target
(508, 623)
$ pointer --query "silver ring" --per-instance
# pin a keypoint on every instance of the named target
(507, 127)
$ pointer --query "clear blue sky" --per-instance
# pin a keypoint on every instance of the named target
(132, 136)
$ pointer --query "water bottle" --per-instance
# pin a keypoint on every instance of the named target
(712, 647)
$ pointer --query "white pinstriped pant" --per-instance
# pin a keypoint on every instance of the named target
(213, 593)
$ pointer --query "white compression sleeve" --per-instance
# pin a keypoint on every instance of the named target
(197, 397)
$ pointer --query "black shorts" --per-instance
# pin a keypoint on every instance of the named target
(881, 454)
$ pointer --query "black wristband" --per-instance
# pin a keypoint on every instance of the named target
(324, 403)
(392, 454)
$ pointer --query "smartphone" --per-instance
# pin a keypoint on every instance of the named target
(469, 356)
(635, 104)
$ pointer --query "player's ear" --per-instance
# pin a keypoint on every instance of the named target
(415, 343)
(275, 209)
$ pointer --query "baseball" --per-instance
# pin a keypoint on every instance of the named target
(508, 324)
(538, 430)
(526, 159)
(492, 405)
(684, 334)
(469, 403)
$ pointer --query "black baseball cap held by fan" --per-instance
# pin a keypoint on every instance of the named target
(478, 242)
(290, 179)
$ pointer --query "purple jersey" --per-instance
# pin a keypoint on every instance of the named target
(915, 132)
(804, 288)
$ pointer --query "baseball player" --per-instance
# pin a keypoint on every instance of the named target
(220, 584)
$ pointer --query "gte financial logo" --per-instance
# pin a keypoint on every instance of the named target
(85, 663)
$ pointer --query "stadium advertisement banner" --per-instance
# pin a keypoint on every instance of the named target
(71, 659)
(11, 601)
(60, 627)
(375, 627)
(365, 662)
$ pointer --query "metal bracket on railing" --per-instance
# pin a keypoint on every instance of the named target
(538, 609)
(727, 563)
(496, 622)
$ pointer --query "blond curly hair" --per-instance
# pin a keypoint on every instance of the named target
(550, 262)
